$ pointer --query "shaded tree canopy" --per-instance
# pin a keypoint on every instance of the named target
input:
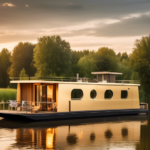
(127, 70)
(106, 59)
(86, 65)
(76, 55)
(140, 61)
(23, 73)
(124, 56)
(52, 56)
(22, 57)
(4, 65)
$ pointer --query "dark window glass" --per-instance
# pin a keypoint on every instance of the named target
(93, 94)
(124, 132)
(124, 94)
(108, 94)
(76, 94)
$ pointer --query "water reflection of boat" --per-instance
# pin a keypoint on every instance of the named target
(101, 134)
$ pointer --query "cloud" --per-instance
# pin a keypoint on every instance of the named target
(128, 27)
(8, 5)
(135, 26)
(72, 19)
(50, 14)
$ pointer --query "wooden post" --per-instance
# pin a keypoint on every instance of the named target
(69, 106)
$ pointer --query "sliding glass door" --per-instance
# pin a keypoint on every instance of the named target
(43, 95)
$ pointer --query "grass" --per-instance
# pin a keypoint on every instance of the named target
(7, 94)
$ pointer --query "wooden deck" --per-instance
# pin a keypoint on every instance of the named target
(14, 115)
(23, 112)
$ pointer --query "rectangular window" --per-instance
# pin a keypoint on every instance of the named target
(124, 94)
(76, 94)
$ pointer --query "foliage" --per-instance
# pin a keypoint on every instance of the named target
(4, 65)
(76, 55)
(52, 56)
(140, 61)
(127, 72)
(7, 94)
(23, 75)
(22, 57)
(124, 56)
(142, 95)
(106, 59)
(86, 65)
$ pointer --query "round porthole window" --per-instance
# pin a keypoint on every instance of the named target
(108, 94)
(93, 94)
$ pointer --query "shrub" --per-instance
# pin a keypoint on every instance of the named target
(7, 94)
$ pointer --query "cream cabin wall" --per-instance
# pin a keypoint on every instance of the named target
(136, 102)
(99, 103)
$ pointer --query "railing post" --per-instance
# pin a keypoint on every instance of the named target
(69, 106)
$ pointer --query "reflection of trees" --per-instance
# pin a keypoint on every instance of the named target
(72, 139)
(124, 132)
(108, 134)
(92, 137)
(144, 143)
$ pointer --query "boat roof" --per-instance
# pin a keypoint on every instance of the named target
(106, 72)
(62, 82)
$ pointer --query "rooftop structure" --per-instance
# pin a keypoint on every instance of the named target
(106, 72)
(105, 76)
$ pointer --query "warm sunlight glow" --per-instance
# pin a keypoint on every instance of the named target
(49, 138)
(8, 5)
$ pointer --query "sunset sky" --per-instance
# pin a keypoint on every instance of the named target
(85, 24)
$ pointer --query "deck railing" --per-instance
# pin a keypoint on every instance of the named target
(29, 107)
(128, 81)
(71, 79)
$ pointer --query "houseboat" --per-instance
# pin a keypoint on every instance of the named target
(80, 98)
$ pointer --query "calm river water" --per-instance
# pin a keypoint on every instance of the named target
(115, 133)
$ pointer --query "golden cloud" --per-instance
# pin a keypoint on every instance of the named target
(8, 5)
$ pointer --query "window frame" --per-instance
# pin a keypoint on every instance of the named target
(77, 98)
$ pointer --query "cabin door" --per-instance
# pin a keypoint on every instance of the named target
(43, 95)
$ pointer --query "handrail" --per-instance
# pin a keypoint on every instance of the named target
(28, 107)
(70, 79)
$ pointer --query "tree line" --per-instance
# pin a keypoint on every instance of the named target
(52, 56)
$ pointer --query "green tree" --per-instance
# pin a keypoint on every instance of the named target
(85, 66)
(52, 56)
(127, 72)
(23, 75)
(106, 59)
(76, 55)
(4, 65)
(140, 61)
(124, 56)
(22, 57)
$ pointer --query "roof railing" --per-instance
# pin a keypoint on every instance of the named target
(61, 79)
(71, 79)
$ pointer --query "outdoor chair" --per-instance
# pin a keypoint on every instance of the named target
(12, 104)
